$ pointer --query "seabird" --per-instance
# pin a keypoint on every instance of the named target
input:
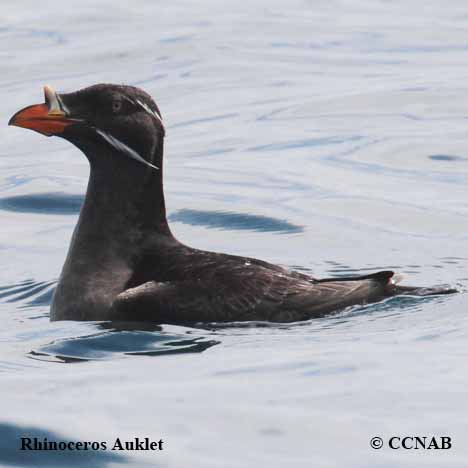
(125, 264)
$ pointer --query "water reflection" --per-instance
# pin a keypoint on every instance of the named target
(234, 221)
(43, 203)
(29, 293)
(119, 339)
(446, 157)
(11, 455)
(64, 204)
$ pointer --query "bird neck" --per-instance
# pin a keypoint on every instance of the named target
(126, 197)
(123, 216)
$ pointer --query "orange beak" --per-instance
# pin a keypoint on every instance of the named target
(48, 119)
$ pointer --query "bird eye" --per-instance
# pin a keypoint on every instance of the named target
(116, 105)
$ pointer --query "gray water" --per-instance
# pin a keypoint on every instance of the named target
(328, 136)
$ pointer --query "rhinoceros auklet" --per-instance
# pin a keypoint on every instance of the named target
(125, 264)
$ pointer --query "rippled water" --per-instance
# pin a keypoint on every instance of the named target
(327, 136)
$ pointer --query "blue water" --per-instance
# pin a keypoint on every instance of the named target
(326, 136)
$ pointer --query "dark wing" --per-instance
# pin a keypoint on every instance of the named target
(331, 295)
(246, 294)
(223, 295)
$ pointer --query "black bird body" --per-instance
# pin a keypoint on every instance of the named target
(125, 264)
(208, 287)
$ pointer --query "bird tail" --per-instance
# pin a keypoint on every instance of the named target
(391, 281)
(421, 291)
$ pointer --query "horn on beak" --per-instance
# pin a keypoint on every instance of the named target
(48, 119)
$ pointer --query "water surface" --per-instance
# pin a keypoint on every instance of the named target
(326, 136)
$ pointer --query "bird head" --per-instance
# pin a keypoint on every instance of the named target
(105, 121)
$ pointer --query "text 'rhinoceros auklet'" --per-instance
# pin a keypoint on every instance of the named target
(125, 264)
